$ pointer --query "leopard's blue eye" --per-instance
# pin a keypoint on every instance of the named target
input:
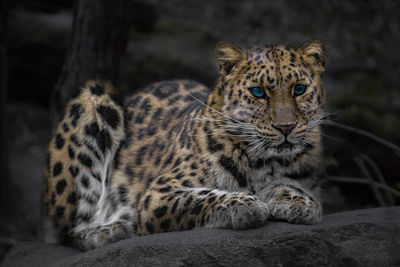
(257, 92)
(299, 89)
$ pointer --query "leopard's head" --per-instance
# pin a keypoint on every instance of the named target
(272, 97)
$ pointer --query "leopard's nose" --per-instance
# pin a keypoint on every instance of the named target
(285, 129)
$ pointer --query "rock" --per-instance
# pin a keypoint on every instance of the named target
(369, 237)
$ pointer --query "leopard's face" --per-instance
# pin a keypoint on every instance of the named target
(275, 98)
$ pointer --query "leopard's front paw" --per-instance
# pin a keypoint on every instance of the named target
(294, 206)
(240, 212)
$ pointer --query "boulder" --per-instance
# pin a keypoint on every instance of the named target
(369, 237)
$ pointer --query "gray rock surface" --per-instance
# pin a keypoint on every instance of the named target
(369, 237)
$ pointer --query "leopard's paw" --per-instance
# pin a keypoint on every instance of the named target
(294, 206)
(101, 235)
(240, 212)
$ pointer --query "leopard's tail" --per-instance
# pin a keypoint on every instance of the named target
(80, 160)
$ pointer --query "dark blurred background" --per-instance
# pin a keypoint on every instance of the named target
(176, 39)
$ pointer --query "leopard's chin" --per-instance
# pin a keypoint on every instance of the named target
(283, 149)
(285, 145)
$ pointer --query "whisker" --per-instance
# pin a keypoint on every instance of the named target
(257, 146)
(198, 100)
(250, 144)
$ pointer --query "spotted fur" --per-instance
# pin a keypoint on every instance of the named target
(178, 155)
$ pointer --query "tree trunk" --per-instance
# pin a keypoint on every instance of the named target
(5, 183)
(99, 38)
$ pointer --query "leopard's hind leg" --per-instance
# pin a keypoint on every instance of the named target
(78, 191)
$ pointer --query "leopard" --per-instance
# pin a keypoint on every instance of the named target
(177, 155)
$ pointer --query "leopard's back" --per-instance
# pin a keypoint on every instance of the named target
(159, 121)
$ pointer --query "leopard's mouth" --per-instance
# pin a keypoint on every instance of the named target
(275, 141)
(285, 146)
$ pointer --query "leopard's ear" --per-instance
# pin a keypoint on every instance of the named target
(315, 51)
(228, 55)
